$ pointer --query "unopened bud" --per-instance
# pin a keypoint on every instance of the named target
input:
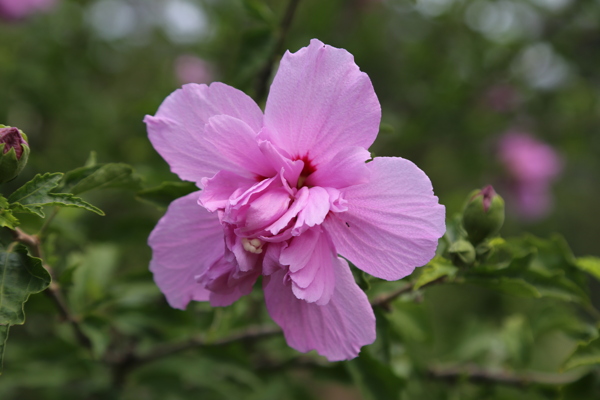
(462, 253)
(14, 152)
(483, 215)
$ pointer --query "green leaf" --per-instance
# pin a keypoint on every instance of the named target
(497, 255)
(20, 276)
(97, 329)
(91, 278)
(3, 337)
(163, 194)
(92, 159)
(454, 229)
(589, 264)
(7, 218)
(99, 176)
(361, 278)
(511, 286)
(585, 354)
(436, 269)
(410, 321)
(36, 194)
(375, 379)
(39, 186)
(517, 338)
(557, 286)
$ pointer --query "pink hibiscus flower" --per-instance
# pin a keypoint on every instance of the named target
(19, 9)
(283, 193)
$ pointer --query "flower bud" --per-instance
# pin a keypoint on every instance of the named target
(483, 215)
(14, 152)
(462, 253)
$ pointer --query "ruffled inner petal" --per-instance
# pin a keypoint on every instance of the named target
(312, 259)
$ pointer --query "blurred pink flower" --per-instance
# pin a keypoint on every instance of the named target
(502, 98)
(532, 165)
(192, 69)
(283, 193)
(18, 9)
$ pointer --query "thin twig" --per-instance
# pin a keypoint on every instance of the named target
(168, 350)
(265, 72)
(478, 375)
(122, 364)
(54, 290)
(385, 299)
(471, 373)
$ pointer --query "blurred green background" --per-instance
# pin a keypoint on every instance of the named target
(452, 77)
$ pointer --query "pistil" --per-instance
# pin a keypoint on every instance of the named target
(252, 245)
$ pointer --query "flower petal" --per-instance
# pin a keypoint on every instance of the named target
(319, 103)
(346, 168)
(315, 210)
(178, 285)
(233, 146)
(299, 203)
(271, 261)
(226, 282)
(393, 223)
(291, 169)
(312, 261)
(177, 130)
(217, 190)
(337, 330)
(267, 208)
(185, 242)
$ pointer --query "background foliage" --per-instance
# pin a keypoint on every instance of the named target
(519, 324)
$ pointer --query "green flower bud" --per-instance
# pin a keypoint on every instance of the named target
(483, 215)
(462, 253)
(14, 152)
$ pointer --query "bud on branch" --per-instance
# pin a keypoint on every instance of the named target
(14, 152)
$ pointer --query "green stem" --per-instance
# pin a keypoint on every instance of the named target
(267, 70)
(385, 299)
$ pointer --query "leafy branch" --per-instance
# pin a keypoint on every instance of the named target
(250, 334)
(123, 364)
(385, 299)
(37, 193)
(54, 291)
(452, 374)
